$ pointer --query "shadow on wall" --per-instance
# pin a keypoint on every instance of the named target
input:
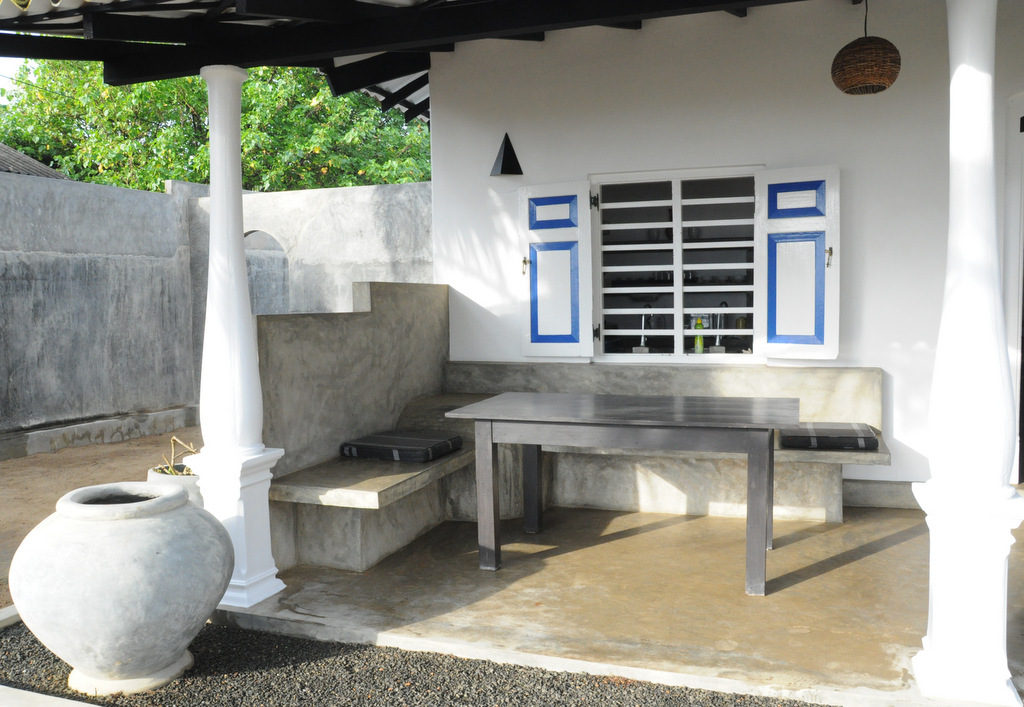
(267, 266)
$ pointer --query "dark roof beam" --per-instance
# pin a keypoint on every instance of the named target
(531, 37)
(634, 25)
(396, 97)
(179, 31)
(416, 28)
(313, 10)
(444, 48)
(417, 110)
(65, 29)
(376, 92)
(148, 7)
(50, 22)
(377, 69)
(24, 46)
(413, 27)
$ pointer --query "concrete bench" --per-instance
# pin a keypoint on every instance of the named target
(365, 483)
(349, 513)
(808, 482)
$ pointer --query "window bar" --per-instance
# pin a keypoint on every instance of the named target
(677, 268)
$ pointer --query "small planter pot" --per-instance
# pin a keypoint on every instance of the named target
(189, 482)
(119, 581)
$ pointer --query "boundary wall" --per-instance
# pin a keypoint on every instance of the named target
(102, 292)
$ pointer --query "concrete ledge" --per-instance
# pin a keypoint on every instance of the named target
(428, 413)
(23, 443)
(364, 483)
(865, 493)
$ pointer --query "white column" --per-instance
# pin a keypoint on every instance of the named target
(233, 466)
(971, 507)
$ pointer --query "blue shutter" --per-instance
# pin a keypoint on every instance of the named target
(797, 263)
(555, 234)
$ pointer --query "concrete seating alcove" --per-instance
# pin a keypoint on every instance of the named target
(332, 377)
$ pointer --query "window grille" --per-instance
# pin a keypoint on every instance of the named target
(675, 265)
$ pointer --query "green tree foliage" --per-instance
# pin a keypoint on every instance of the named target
(295, 134)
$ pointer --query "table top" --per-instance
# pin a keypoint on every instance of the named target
(635, 410)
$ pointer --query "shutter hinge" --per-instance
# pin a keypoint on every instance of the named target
(595, 201)
(597, 332)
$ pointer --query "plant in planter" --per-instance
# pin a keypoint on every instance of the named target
(176, 472)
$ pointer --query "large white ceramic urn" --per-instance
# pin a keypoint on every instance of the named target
(119, 580)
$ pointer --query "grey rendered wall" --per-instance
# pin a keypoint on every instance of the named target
(95, 302)
(334, 237)
(307, 248)
(103, 291)
(328, 378)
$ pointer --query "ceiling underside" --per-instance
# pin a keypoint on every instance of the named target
(380, 46)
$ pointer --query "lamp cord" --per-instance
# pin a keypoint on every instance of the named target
(865, 18)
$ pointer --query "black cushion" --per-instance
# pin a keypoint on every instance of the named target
(829, 435)
(406, 446)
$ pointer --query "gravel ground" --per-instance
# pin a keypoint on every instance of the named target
(248, 668)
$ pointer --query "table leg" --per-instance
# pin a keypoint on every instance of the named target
(487, 505)
(532, 510)
(760, 456)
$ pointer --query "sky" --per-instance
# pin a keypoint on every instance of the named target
(8, 67)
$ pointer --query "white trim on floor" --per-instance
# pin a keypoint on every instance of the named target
(9, 697)
(9, 616)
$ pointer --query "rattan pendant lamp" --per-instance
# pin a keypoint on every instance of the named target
(867, 64)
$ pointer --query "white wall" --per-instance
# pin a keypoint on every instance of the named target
(715, 90)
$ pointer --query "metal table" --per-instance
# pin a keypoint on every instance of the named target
(715, 424)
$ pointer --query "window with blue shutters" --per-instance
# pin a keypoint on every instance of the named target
(685, 266)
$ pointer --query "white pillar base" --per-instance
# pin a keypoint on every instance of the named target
(235, 489)
(964, 654)
(937, 679)
(243, 594)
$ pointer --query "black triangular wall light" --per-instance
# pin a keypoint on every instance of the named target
(506, 161)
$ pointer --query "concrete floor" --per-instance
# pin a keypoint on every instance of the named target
(640, 595)
(646, 596)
